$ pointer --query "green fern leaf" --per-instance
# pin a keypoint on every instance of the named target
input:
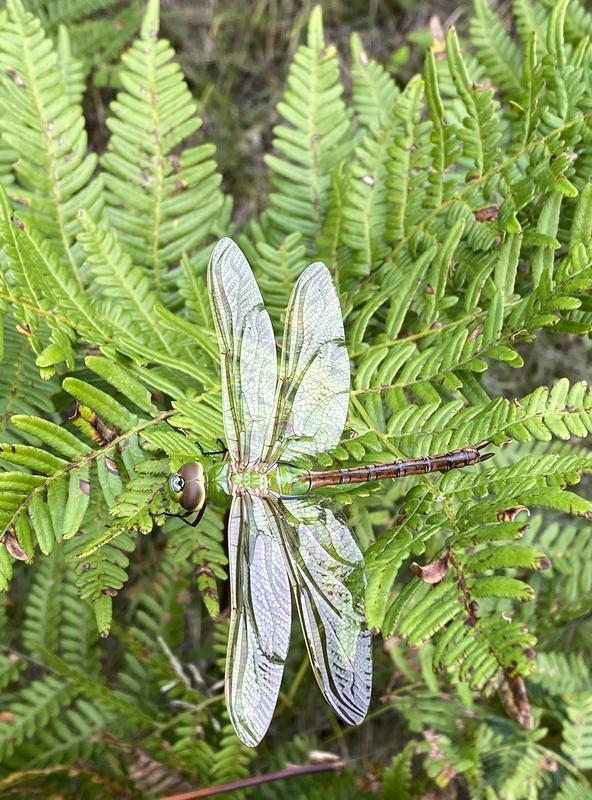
(481, 130)
(161, 204)
(312, 144)
(45, 126)
(495, 48)
(577, 732)
(374, 91)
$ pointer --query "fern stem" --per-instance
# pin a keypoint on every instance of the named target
(157, 159)
(287, 698)
(258, 780)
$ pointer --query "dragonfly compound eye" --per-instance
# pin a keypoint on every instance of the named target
(176, 484)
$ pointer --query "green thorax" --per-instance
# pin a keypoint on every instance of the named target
(281, 479)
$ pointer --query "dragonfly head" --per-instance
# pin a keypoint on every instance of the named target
(188, 486)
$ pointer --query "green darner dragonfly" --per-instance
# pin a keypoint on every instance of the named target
(281, 537)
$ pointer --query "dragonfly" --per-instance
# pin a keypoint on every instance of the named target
(284, 539)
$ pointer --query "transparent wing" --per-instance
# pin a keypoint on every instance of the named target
(247, 350)
(326, 570)
(260, 617)
(313, 389)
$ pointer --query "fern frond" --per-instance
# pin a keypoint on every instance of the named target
(559, 412)
(522, 771)
(330, 240)
(201, 415)
(38, 282)
(38, 279)
(101, 40)
(530, 19)
(112, 270)
(457, 229)
(572, 789)
(77, 637)
(158, 613)
(480, 644)
(578, 20)
(444, 144)
(231, 761)
(43, 610)
(22, 390)
(577, 732)
(45, 126)
(562, 602)
(561, 673)
(162, 204)
(102, 574)
(469, 346)
(313, 142)
(397, 776)
(365, 204)
(56, 12)
(37, 704)
(495, 48)
(408, 155)
(53, 500)
(481, 131)
(76, 734)
(204, 548)
(374, 91)
(73, 73)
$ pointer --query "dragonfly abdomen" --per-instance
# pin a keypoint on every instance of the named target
(444, 462)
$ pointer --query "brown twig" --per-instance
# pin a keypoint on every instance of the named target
(257, 780)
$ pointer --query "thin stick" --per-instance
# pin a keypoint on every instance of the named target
(257, 780)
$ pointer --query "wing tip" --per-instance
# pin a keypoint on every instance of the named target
(221, 246)
(353, 713)
(314, 268)
(321, 278)
(245, 734)
(357, 718)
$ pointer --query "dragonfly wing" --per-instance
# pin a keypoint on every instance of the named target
(313, 389)
(326, 570)
(260, 617)
(247, 350)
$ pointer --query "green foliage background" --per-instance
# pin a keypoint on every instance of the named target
(454, 208)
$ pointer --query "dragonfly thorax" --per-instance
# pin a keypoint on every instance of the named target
(263, 479)
(253, 479)
(227, 478)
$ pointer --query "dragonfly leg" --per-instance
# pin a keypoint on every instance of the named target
(197, 519)
(177, 516)
(221, 452)
(183, 517)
